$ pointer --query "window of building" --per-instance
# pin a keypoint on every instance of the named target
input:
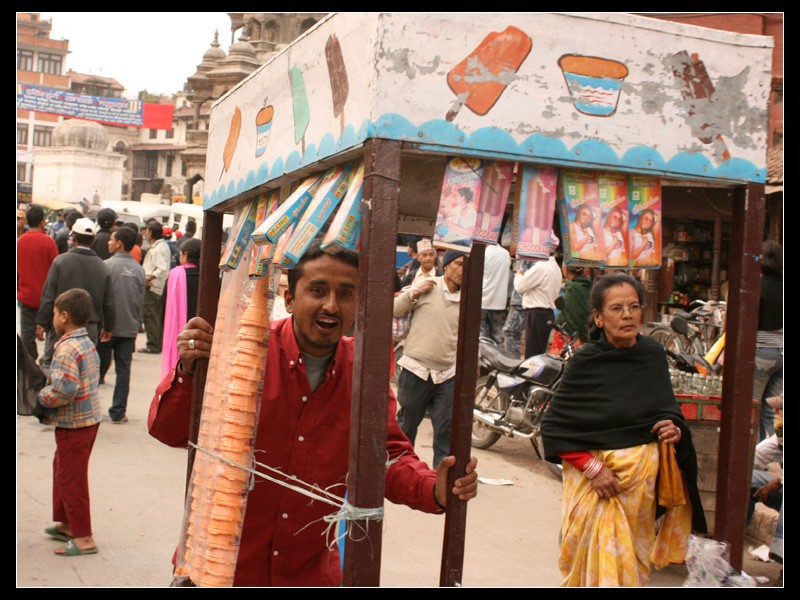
(170, 133)
(144, 165)
(25, 60)
(22, 134)
(50, 63)
(153, 133)
(42, 136)
(170, 161)
(183, 168)
(21, 171)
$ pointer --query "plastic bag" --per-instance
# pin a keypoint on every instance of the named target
(708, 563)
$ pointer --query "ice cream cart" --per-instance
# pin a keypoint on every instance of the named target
(402, 93)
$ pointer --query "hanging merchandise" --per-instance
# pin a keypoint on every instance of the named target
(458, 204)
(536, 199)
(644, 204)
(495, 187)
(613, 193)
(262, 253)
(288, 213)
(579, 209)
(330, 192)
(239, 236)
(218, 488)
(345, 228)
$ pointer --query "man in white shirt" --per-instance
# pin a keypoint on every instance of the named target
(540, 286)
(496, 273)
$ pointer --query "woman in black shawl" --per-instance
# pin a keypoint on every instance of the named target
(613, 406)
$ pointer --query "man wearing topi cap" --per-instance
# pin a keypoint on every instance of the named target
(81, 268)
(540, 286)
(427, 381)
(426, 256)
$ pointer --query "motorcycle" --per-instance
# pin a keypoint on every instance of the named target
(513, 396)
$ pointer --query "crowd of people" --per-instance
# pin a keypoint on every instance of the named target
(613, 420)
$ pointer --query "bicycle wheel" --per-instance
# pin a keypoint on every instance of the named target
(661, 334)
(677, 342)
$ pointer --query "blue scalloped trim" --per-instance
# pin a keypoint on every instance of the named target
(445, 136)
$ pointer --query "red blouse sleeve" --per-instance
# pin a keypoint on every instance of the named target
(577, 459)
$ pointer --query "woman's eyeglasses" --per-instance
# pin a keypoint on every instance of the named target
(618, 310)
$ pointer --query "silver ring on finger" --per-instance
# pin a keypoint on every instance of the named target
(191, 344)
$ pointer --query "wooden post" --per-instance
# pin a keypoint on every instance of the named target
(373, 342)
(207, 301)
(713, 292)
(469, 320)
(735, 445)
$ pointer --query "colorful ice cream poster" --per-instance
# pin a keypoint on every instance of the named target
(613, 193)
(644, 204)
(458, 204)
(593, 82)
(536, 202)
(495, 187)
(262, 253)
(345, 228)
(581, 228)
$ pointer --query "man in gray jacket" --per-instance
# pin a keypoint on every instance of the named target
(127, 279)
(80, 268)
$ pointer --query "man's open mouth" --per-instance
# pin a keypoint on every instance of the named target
(327, 322)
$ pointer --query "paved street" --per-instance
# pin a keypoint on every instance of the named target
(137, 489)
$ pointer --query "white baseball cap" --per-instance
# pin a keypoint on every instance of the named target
(84, 226)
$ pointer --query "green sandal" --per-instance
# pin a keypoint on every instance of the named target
(53, 532)
(71, 549)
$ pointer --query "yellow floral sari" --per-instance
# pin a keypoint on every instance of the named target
(612, 542)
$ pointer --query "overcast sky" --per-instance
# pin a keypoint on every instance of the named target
(156, 51)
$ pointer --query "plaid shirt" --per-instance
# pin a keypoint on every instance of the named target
(72, 385)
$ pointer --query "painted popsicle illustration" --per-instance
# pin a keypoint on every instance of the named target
(593, 82)
(698, 90)
(230, 143)
(300, 108)
(263, 127)
(480, 79)
(340, 87)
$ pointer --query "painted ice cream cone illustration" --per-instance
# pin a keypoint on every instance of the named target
(230, 143)
(593, 82)
(340, 88)
(479, 80)
(697, 90)
(302, 114)
(263, 128)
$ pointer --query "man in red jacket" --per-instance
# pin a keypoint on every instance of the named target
(304, 428)
(35, 253)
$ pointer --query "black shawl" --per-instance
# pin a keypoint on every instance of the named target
(610, 398)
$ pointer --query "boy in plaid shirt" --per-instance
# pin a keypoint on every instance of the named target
(72, 391)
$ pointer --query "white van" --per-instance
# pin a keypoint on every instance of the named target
(181, 213)
(137, 212)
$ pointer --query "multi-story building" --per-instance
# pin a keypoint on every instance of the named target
(40, 61)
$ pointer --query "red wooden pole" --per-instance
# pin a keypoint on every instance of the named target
(469, 322)
(735, 441)
(373, 342)
(207, 301)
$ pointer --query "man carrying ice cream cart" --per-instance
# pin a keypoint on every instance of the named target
(304, 428)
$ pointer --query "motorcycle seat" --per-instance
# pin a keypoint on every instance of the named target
(499, 357)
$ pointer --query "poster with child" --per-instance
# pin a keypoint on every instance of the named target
(458, 204)
(644, 203)
(613, 193)
(581, 229)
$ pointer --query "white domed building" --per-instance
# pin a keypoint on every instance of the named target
(78, 166)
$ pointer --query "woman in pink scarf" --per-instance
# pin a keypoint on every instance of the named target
(180, 301)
